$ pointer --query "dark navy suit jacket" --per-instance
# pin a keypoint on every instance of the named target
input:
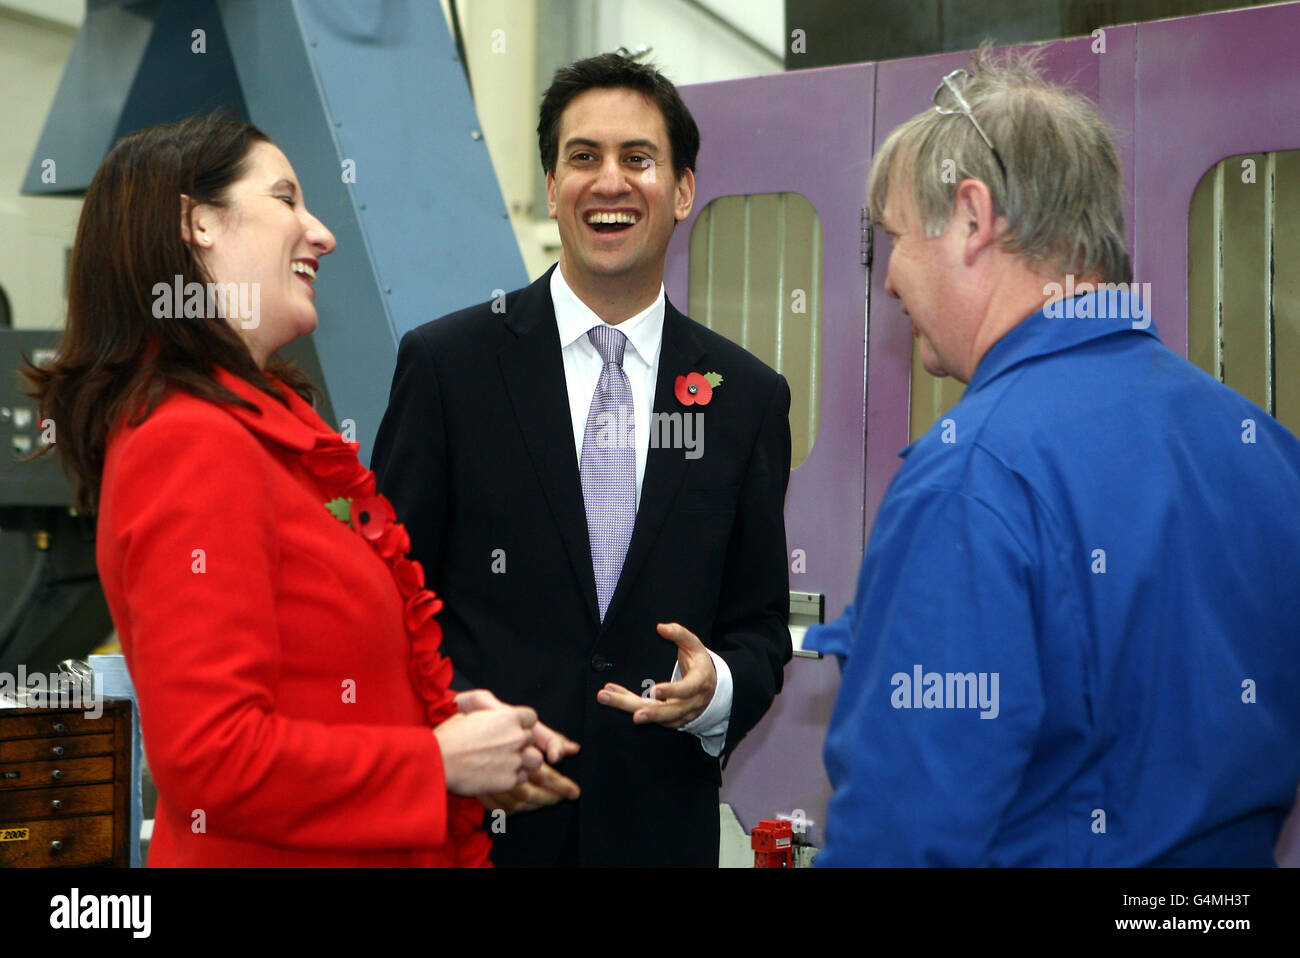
(476, 453)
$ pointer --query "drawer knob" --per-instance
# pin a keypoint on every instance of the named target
(57, 773)
(60, 727)
(58, 751)
(57, 803)
(56, 846)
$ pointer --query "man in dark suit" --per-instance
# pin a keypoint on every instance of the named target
(595, 485)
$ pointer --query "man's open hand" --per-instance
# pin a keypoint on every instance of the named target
(673, 704)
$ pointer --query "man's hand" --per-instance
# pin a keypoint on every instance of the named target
(673, 704)
(544, 785)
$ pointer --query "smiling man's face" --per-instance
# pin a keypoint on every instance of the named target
(613, 191)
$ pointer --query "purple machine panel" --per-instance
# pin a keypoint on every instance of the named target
(776, 134)
(807, 132)
(1180, 94)
(1208, 87)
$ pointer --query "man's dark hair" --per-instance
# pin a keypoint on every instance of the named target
(614, 71)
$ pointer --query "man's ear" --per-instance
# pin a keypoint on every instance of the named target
(973, 207)
(685, 195)
(550, 195)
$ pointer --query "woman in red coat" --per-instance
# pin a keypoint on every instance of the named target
(283, 648)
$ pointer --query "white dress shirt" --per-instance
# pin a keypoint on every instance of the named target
(582, 368)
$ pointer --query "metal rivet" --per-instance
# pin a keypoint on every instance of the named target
(56, 846)
(475, 135)
(57, 773)
(57, 803)
(58, 751)
(692, 389)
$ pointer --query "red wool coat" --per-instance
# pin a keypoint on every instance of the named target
(271, 646)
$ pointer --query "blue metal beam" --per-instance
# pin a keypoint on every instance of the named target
(87, 109)
(368, 100)
(373, 87)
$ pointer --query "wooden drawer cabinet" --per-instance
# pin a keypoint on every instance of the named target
(31, 803)
(32, 749)
(59, 772)
(65, 787)
(74, 841)
(40, 723)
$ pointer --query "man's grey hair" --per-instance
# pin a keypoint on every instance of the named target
(1063, 196)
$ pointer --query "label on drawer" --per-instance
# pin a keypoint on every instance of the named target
(15, 834)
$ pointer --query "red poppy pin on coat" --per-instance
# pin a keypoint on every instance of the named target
(695, 389)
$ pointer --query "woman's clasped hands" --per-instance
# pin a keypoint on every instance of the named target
(491, 747)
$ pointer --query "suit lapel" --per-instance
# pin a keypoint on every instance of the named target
(665, 468)
(534, 380)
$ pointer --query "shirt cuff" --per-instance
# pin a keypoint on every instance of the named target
(711, 725)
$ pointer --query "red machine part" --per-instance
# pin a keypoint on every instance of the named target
(773, 844)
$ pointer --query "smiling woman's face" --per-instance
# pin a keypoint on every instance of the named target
(267, 243)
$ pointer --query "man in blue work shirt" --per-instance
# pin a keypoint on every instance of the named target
(1076, 634)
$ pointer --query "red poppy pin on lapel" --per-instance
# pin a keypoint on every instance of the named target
(695, 389)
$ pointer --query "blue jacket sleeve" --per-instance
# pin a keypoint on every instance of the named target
(941, 699)
(833, 638)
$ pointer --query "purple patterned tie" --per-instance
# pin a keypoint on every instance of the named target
(608, 465)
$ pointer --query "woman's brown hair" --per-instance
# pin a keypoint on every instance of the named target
(116, 357)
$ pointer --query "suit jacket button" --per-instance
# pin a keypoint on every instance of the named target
(600, 664)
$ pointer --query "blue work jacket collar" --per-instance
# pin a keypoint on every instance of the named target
(1058, 326)
(1063, 325)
